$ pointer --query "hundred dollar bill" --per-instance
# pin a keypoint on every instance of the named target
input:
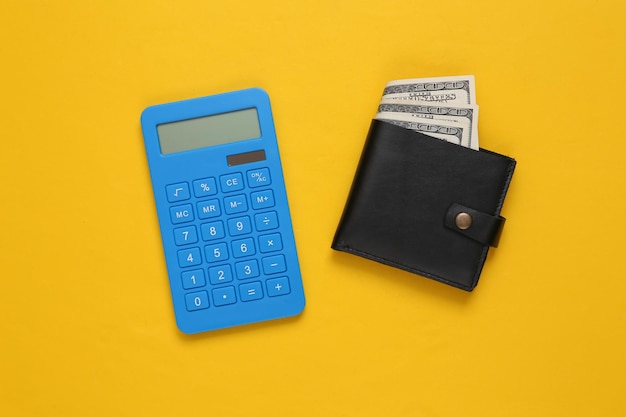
(452, 132)
(451, 91)
(466, 115)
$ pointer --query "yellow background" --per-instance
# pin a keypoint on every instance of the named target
(86, 323)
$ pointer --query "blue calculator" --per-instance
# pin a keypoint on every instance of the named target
(222, 208)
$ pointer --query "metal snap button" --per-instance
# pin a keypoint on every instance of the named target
(463, 221)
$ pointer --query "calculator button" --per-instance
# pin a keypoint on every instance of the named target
(212, 231)
(197, 300)
(251, 291)
(204, 187)
(262, 199)
(270, 243)
(235, 204)
(266, 221)
(243, 247)
(239, 226)
(216, 253)
(274, 264)
(258, 177)
(193, 279)
(231, 182)
(208, 209)
(220, 274)
(278, 286)
(189, 257)
(177, 192)
(247, 269)
(181, 214)
(185, 235)
(223, 296)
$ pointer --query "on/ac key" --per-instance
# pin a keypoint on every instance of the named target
(258, 177)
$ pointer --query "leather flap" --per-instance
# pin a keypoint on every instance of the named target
(479, 226)
(402, 190)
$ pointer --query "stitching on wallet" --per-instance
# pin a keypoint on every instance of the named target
(483, 256)
(509, 174)
(408, 268)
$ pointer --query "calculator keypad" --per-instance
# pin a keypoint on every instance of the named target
(228, 232)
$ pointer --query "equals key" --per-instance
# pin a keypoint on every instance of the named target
(251, 291)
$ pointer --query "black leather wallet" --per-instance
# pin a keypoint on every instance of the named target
(425, 205)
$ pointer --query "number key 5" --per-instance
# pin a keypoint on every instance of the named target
(216, 253)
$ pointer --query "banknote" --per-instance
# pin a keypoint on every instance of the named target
(449, 91)
(466, 115)
(452, 132)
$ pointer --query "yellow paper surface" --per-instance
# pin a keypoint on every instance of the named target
(86, 323)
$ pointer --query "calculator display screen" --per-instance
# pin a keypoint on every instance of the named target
(207, 131)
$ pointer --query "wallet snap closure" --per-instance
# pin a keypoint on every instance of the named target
(463, 220)
(479, 226)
